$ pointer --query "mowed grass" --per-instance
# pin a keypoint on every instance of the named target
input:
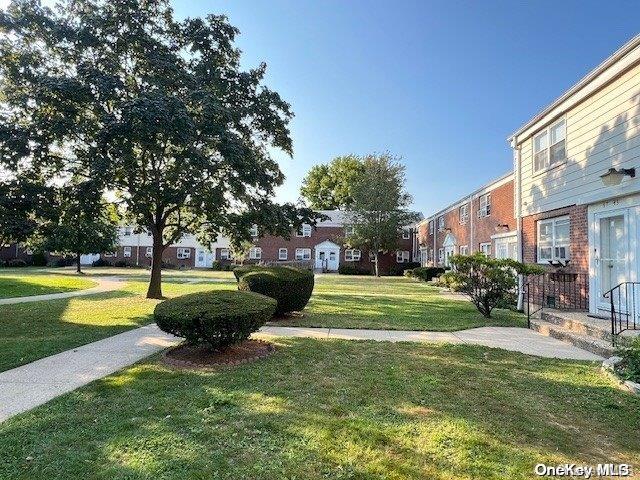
(29, 331)
(15, 284)
(393, 303)
(332, 409)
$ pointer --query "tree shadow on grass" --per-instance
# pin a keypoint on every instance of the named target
(11, 287)
(332, 409)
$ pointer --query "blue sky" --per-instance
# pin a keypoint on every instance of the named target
(441, 84)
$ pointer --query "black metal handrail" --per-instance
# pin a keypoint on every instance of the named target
(556, 289)
(626, 318)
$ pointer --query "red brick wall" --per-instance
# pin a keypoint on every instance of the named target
(502, 213)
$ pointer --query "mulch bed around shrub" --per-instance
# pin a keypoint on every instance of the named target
(199, 357)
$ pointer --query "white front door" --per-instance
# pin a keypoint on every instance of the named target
(204, 258)
(327, 258)
(612, 253)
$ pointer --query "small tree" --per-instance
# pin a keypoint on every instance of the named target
(330, 186)
(486, 280)
(85, 224)
(379, 210)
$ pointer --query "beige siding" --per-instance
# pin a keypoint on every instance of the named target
(603, 131)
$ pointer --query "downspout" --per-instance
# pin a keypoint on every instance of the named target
(518, 212)
(471, 244)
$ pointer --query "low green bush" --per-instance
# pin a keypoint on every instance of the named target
(290, 287)
(353, 269)
(101, 262)
(39, 259)
(398, 269)
(243, 269)
(17, 262)
(427, 273)
(629, 368)
(217, 319)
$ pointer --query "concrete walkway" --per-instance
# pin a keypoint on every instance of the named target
(104, 284)
(28, 386)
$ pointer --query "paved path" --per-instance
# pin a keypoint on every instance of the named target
(104, 284)
(28, 386)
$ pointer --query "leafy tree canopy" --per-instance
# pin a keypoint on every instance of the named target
(330, 186)
(156, 109)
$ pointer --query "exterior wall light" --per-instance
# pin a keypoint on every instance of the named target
(614, 177)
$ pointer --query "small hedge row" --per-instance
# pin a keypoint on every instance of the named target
(290, 287)
(353, 269)
(217, 318)
(425, 273)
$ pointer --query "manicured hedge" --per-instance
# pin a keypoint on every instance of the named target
(398, 269)
(352, 269)
(290, 287)
(426, 273)
(217, 319)
(241, 270)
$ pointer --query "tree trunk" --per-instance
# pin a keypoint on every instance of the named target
(78, 267)
(375, 264)
(155, 283)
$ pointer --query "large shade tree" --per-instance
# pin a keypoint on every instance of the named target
(380, 207)
(157, 109)
(330, 186)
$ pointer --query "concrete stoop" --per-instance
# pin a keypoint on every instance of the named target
(577, 329)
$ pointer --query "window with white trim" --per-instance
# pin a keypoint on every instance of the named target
(402, 256)
(352, 255)
(372, 256)
(127, 231)
(431, 227)
(349, 230)
(464, 213)
(406, 234)
(253, 231)
(430, 255)
(553, 239)
(110, 254)
(255, 253)
(464, 250)
(485, 248)
(440, 255)
(303, 254)
(424, 256)
(283, 254)
(126, 252)
(225, 254)
(485, 205)
(183, 253)
(441, 224)
(549, 146)
(149, 252)
(506, 247)
(304, 230)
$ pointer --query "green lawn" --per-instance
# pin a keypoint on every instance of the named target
(394, 303)
(29, 331)
(331, 409)
(16, 284)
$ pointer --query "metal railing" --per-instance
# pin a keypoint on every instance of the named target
(558, 290)
(623, 299)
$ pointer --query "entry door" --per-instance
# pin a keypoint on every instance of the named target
(612, 261)
(327, 259)
(204, 258)
(448, 253)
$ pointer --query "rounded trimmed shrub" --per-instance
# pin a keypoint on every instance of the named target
(238, 272)
(217, 318)
(290, 287)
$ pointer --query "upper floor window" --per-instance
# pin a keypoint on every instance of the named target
(431, 227)
(128, 231)
(553, 239)
(255, 253)
(304, 230)
(402, 256)
(486, 248)
(183, 253)
(549, 146)
(349, 230)
(406, 234)
(254, 230)
(352, 255)
(441, 224)
(283, 254)
(464, 213)
(485, 205)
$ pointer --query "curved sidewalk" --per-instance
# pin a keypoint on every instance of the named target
(104, 284)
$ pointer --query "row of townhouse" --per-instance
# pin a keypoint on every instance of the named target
(572, 201)
(322, 246)
(482, 221)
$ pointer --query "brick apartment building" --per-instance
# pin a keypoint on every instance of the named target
(482, 221)
(322, 247)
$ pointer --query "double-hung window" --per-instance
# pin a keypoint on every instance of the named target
(303, 254)
(149, 252)
(304, 230)
(253, 231)
(464, 250)
(464, 214)
(549, 146)
(283, 254)
(126, 252)
(441, 224)
(183, 253)
(349, 230)
(255, 253)
(127, 231)
(225, 254)
(486, 248)
(110, 254)
(553, 239)
(431, 227)
(406, 234)
(440, 255)
(485, 205)
(402, 256)
(352, 255)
